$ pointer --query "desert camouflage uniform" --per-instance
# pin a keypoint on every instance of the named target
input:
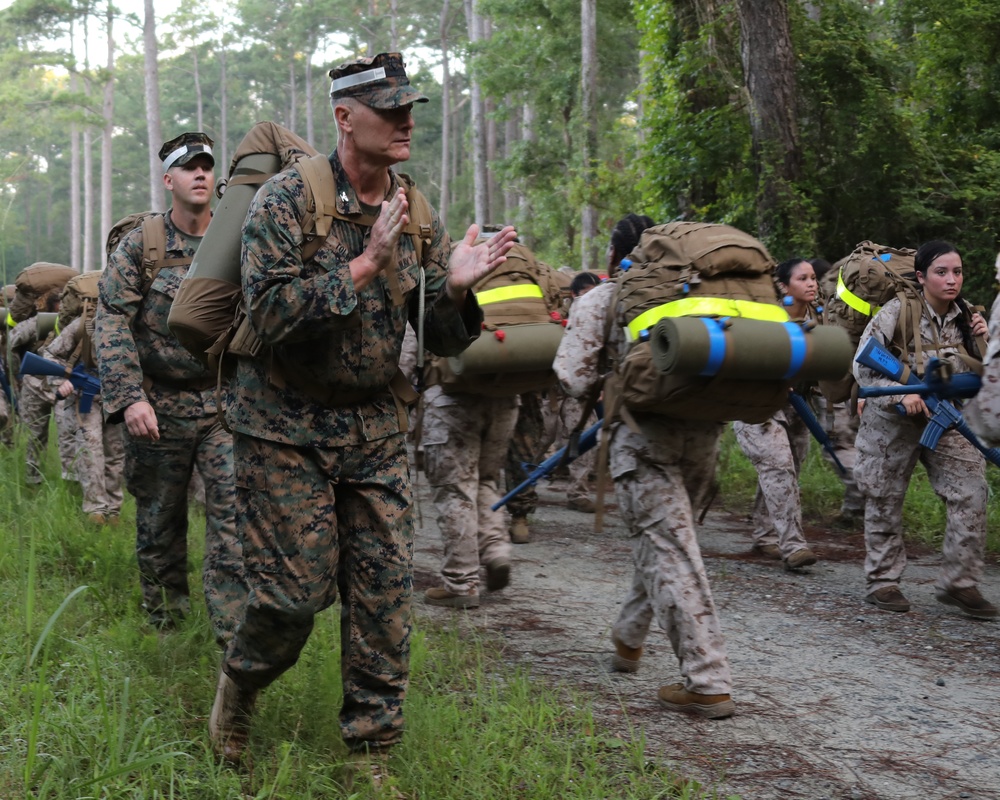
(525, 448)
(465, 437)
(660, 474)
(777, 448)
(101, 449)
(36, 403)
(842, 428)
(134, 344)
(983, 411)
(562, 413)
(888, 450)
(323, 486)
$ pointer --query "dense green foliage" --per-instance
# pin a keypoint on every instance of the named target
(898, 123)
(898, 112)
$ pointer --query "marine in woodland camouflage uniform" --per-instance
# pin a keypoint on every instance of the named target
(167, 399)
(525, 446)
(101, 446)
(324, 499)
(660, 474)
(888, 450)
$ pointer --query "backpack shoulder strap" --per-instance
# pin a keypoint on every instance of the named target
(321, 202)
(154, 250)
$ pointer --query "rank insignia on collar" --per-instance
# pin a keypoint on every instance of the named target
(343, 197)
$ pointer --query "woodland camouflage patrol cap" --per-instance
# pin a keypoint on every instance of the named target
(378, 82)
(181, 149)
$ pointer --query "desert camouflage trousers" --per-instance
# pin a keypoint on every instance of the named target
(318, 523)
(842, 428)
(100, 462)
(5, 420)
(158, 473)
(525, 446)
(35, 404)
(559, 423)
(888, 450)
(465, 441)
(660, 475)
(776, 448)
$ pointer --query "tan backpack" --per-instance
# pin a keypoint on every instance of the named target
(522, 328)
(33, 284)
(685, 269)
(154, 244)
(868, 278)
(79, 299)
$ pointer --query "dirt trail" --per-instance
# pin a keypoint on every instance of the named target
(835, 699)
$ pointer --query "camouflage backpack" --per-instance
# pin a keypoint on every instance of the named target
(79, 299)
(522, 328)
(868, 278)
(691, 269)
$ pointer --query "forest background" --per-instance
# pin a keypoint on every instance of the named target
(813, 125)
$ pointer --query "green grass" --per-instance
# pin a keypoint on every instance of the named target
(822, 491)
(94, 704)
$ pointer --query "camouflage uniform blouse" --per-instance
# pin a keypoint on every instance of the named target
(323, 335)
(883, 326)
(133, 340)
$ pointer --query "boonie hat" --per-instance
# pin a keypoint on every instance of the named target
(181, 149)
(378, 82)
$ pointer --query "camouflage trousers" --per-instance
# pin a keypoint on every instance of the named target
(563, 420)
(158, 473)
(888, 450)
(5, 420)
(660, 476)
(842, 428)
(525, 448)
(36, 403)
(465, 439)
(776, 448)
(318, 523)
(100, 462)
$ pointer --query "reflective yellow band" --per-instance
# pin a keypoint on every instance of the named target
(516, 292)
(10, 321)
(853, 300)
(706, 307)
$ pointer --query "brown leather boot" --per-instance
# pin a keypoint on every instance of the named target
(969, 601)
(519, 533)
(229, 724)
(625, 658)
(712, 706)
(439, 596)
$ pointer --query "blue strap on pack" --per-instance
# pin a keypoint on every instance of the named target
(799, 346)
(716, 345)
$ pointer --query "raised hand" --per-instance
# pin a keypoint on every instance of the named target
(469, 264)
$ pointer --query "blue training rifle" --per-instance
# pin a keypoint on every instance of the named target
(86, 384)
(587, 441)
(935, 389)
(801, 406)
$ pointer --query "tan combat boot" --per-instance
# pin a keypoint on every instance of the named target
(519, 533)
(229, 724)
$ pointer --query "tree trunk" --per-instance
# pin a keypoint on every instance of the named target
(769, 70)
(394, 26)
(197, 91)
(510, 137)
(88, 201)
(445, 116)
(588, 75)
(291, 97)
(528, 136)
(371, 30)
(75, 244)
(480, 182)
(310, 129)
(153, 129)
(223, 111)
(109, 120)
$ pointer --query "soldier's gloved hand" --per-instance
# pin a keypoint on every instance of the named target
(140, 421)
(468, 265)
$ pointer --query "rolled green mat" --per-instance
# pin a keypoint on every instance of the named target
(46, 324)
(749, 349)
(206, 300)
(517, 348)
